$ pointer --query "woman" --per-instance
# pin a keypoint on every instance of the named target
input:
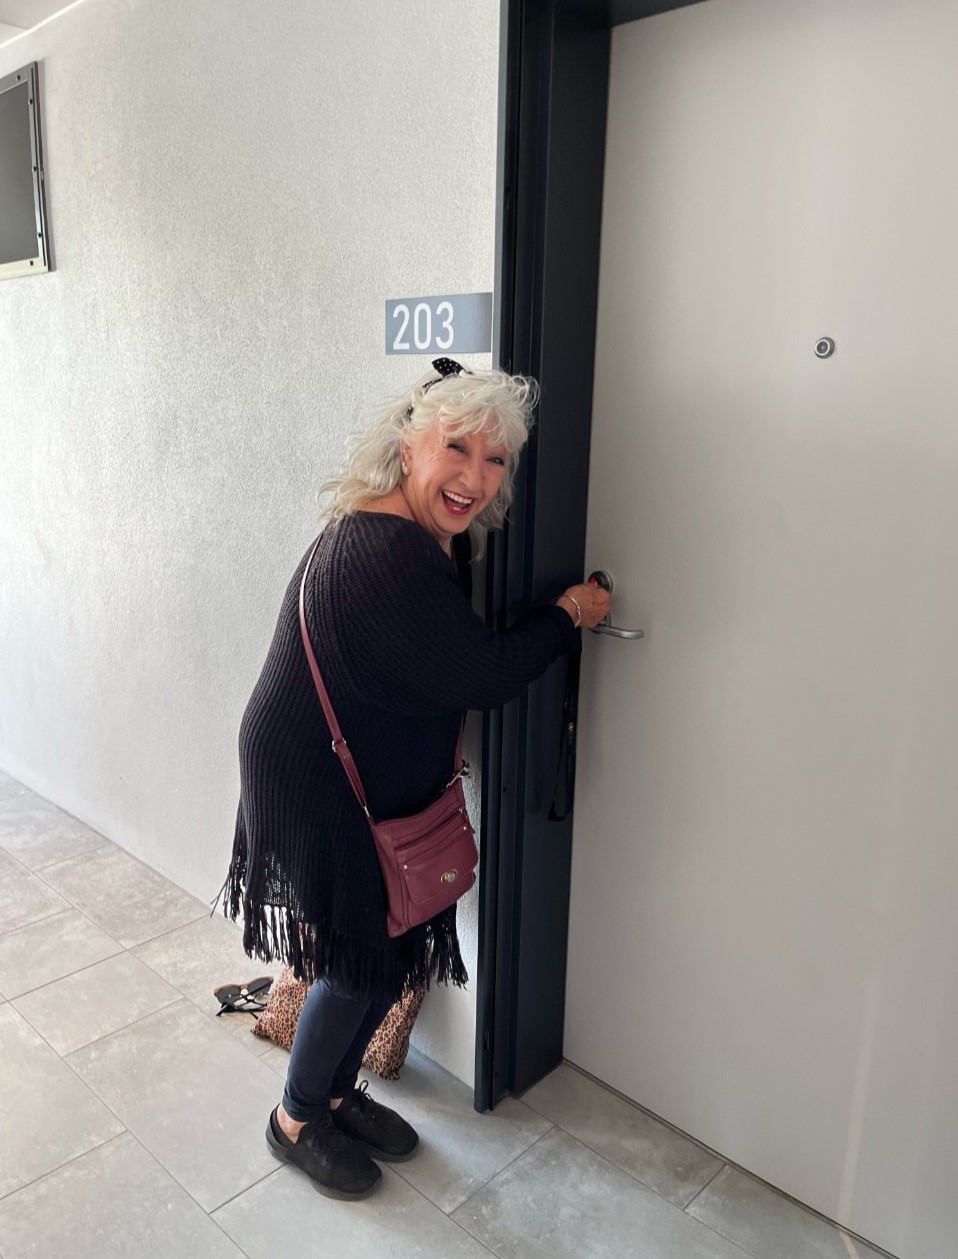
(403, 656)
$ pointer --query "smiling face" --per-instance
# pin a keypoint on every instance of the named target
(452, 477)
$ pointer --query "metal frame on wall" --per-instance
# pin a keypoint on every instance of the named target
(553, 96)
(37, 259)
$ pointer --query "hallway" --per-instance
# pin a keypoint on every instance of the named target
(132, 1119)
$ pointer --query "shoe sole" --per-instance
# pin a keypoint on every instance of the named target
(381, 1155)
(343, 1195)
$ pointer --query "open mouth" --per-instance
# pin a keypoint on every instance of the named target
(457, 504)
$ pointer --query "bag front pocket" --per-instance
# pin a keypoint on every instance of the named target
(434, 838)
(427, 878)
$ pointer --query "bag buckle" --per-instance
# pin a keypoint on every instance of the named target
(460, 773)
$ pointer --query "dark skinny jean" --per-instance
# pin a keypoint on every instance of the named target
(332, 1034)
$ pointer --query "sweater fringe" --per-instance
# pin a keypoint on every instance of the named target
(274, 933)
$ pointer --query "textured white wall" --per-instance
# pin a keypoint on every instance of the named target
(233, 189)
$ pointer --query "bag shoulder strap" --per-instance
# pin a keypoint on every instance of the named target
(340, 747)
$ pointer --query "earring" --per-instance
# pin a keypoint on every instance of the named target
(405, 468)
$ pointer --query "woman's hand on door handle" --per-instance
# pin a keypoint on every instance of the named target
(594, 602)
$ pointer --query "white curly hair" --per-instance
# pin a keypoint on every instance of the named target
(466, 403)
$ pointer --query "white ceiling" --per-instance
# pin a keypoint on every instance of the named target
(27, 13)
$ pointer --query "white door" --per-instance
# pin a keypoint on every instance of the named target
(763, 941)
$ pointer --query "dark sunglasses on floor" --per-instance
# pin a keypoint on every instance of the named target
(242, 998)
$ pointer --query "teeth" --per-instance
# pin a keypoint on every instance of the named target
(456, 499)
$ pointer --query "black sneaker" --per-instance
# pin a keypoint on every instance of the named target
(337, 1166)
(377, 1129)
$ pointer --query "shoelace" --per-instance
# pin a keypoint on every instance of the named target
(332, 1137)
(364, 1101)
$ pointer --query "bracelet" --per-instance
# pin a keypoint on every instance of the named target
(573, 599)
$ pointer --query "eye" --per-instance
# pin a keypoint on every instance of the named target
(499, 461)
(457, 446)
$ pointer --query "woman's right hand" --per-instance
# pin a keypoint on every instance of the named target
(596, 603)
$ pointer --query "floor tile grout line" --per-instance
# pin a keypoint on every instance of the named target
(167, 930)
(808, 1210)
(76, 857)
(470, 1233)
(872, 1248)
(62, 910)
(72, 904)
(245, 1253)
(121, 949)
(748, 1254)
(107, 843)
(698, 1192)
(79, 970)
(629, 1101)
(52, 803)
(684, 1209)
(210, 1013)
(387, 1168)
(553, 1126)
(68, 905)
(103, 1102)
(16, 860)
(104, 843)
(209, 1214)
(110, 843)
(649, 1188)
(473, 1237)
(73, 1158)
(116, 1031)
(258, 1054)
(751, 1254)
(128, 1132)
(191, 1005)
(273, 1171)
(779, 1193)
(501, 1170)
(63, 1056)
(446, 1214)
(68, 909)
(52, 1171)
(422, 1193)
(638, 1179)
(179, 927)
(582, 1141)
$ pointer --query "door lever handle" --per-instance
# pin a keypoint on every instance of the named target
(605, 627)
(601, 578)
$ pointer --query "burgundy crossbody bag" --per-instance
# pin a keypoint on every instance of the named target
(428, 860)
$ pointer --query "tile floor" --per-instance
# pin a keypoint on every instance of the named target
(132, 1119)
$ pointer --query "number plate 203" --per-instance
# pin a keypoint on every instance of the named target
(456, 322)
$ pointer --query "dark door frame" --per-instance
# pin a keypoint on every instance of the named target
(553, 94)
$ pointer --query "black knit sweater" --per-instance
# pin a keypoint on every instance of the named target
(403, 655)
